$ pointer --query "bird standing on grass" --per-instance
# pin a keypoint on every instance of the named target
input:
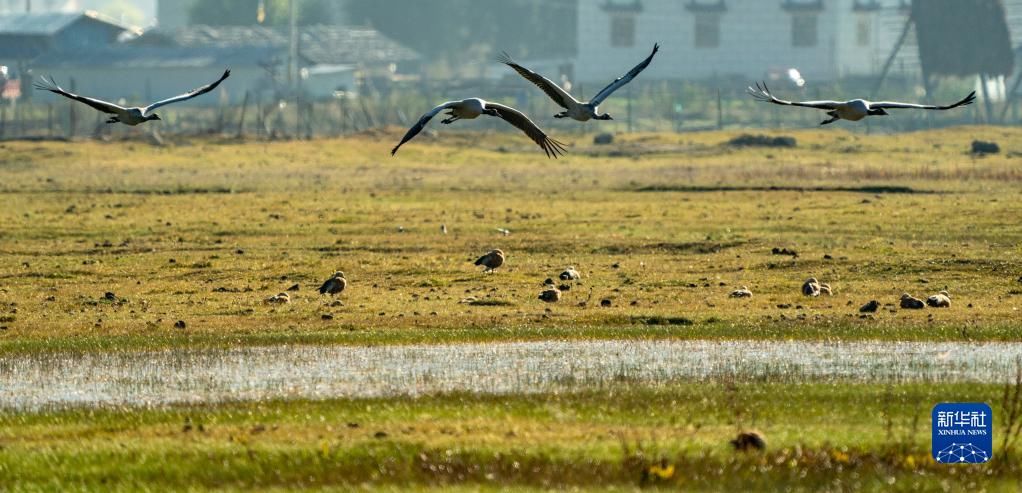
(129, 116)
(573, 108)
(472, 108)
(811, 287)
(911, 303)
(570, 274)
(278, 299)
(853, 110)
(741, 293)
(939, 300)
(492, 260)
(334, 285)
(550, 295)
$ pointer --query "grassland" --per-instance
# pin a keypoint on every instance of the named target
(203, 232)
(819, 438)
(663, 226)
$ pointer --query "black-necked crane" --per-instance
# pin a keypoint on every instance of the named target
(132, 115)
(853, 110)
(471, 108)
(573, 108)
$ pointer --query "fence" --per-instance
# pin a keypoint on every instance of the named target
(638, 107)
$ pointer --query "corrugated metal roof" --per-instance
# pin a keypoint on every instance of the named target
(337, 45)
(46, 24)
(38, 24)
(321, 44)
(143, 57)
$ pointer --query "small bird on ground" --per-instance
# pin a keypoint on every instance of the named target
(743, 292)
(939, 300)
(573, 108)
(551, 295)
(278, 299)
(749, 440)
(129, 116)
(471, 108)
(492, 260)
(811, 287)
(853, 110)
(334, 285)
(911, 303)
(870, 307)
(570, 274)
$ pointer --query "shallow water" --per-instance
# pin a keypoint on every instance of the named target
(195, 376)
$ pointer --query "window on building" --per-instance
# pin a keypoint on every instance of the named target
(864, 31)
(707, 30)
(622, 30)
(804, 30)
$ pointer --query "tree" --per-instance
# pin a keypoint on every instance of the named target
(963, 37)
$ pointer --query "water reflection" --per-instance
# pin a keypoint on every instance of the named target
(178, 376)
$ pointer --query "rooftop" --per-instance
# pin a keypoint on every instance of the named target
(47, 24)
(320, 44)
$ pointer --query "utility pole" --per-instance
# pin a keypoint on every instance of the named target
(28, 6)
(293, 79)
(292, 52)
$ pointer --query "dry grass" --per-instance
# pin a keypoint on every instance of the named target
(204, 232)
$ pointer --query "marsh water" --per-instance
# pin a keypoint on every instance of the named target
(152, 378)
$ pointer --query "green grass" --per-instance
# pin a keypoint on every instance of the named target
(204, 232)
(588, 439)
(663, 226)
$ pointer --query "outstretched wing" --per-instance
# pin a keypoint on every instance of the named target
(49, 85)
(624, 79)
(551, 147)
(887, 105)
(419, 125)
(188, 95)
(762, 93)
(560, 96)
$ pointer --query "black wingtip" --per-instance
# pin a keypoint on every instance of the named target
(505, 58)
(394, 150)
(46, 85)
(656, 47)
(553, 148)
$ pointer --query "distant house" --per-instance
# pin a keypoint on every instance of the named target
(364, 48)
(141, 74)
(23, 36)
(165, 62)
(701, 39)
(330, 58)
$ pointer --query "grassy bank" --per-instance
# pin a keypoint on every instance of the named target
(819, 437)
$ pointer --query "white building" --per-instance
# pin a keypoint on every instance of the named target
(700, 39)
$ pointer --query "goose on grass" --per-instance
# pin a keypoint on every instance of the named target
(471, 108)
(573, 108)
(853, 110)
(129, 116)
